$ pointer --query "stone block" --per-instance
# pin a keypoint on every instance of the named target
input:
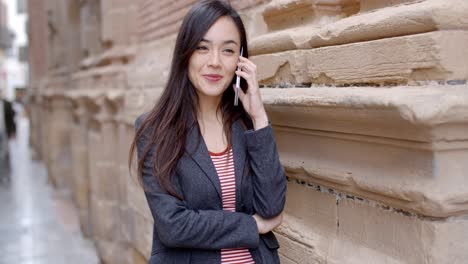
(141, 232)
(105, 219)
(118, 24)
(109, 141)
(113, 252)
(368, 232)
(81, 195)
(377, 235)
(308, 227)
(162, 19)
(106, 184)
(319, 213)
(396, 21)
(109, 5)
(290, 13)
(422, 57)
(295, 252)
(369, 5)
(137, 258)
(85, 223)
(90, 33)
(150, 68)
(449, 244)
(136, 197)
(125, 227)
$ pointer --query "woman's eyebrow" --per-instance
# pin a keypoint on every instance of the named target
(224, 42)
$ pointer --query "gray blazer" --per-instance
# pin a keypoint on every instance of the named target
(195, 229)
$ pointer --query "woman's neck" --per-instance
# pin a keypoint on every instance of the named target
(210, 121)
(208, 109)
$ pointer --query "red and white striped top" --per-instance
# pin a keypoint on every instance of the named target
(224, 164)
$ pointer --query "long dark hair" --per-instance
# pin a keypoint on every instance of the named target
(167, 124)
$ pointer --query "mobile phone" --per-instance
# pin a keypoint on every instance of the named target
(236, 94)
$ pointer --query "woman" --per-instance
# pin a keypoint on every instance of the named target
(210, 170)
(7, 131)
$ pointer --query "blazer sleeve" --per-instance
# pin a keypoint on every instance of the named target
(269, 179)
(180, 227)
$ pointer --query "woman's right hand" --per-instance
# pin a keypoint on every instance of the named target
(266, 225)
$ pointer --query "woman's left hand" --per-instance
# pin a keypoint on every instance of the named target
(251, 99)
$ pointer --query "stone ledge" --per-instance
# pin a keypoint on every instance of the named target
(403, 146)
(387, 22)
(115, 55)
(426, 105)
(280, 14)
(422, 57)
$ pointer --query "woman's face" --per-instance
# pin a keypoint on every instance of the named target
(212, 66)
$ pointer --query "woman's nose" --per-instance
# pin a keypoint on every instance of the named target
(214, 59)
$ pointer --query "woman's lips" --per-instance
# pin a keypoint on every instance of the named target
(213, 77)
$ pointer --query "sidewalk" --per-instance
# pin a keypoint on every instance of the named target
(38, 224)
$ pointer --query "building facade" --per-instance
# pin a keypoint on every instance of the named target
(368, 100)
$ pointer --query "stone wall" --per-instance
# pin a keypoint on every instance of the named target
(368, 100)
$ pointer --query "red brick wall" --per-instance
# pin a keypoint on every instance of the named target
(157, 19)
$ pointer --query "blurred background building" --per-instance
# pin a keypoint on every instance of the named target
(13, 49)
(368, 99)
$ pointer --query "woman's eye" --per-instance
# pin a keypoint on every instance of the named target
(229, 51)
(201, 48)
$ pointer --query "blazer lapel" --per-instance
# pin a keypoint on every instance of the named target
(239, 152)
(197, 150)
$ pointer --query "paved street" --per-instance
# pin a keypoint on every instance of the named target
(38, 225)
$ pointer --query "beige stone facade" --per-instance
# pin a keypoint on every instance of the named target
(368, 99)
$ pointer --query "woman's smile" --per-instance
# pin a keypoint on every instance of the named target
(213, 77)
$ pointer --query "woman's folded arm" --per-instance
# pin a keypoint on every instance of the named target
(269, 180)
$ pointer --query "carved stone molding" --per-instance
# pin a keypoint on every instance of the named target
(400, 146)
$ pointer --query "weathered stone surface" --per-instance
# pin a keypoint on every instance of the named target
(281, 14)
(118, 25)
(359, 152)
(38, 55)
(139, 101)
(81, 189)
(364, 232)
(111, 252)
(401, 20)
(105, 216)
(150, 68)
(317, 216)
(297, 252)
(428, 56)
(90, 16)
(429, 105)
(369, 5)
(380, 170)
(136, 257)
(57, 139)
(161, 18)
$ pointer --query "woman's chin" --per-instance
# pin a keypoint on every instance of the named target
(212, 91)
